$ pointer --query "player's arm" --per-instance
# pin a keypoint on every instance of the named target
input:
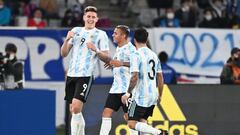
(66, 47)
(160, 80)
(102, 55)
(126, 64)
(133, 82)
(118, 63)
(160, 84)
(134, 68)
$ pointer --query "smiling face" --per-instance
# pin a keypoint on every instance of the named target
(90, 19)
(120, 34)
(119, 37)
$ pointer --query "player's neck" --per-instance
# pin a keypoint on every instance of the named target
(89, 28)
(122, 43)
(140, 45)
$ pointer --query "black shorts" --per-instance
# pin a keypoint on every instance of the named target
(137, 113)
(77, 87)
(114, 102)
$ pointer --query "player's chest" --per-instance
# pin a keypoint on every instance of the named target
(82, 38)
(122, 55)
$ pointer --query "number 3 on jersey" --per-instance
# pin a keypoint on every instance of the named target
(151, 74)
(84, 89)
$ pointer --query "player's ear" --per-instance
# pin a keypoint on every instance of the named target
(97, 19)
(84, 17)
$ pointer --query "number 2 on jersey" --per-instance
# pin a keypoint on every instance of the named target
(151, 74)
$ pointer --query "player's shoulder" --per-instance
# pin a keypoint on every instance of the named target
(135, 57)
(135, 54)
(150, 51)
(100, 31)
(131, 47)
(77, 29)
(153, 54)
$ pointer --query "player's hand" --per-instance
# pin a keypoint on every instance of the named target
(159, 99)
(70, 35)
(91, 46)
(125, 98)
(125, 116)
(107, 66)
(116, 63)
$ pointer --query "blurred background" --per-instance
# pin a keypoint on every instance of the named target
(197, 42)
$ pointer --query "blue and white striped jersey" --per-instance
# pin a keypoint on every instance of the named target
(122, 74)
(83, 60)
(147, 64)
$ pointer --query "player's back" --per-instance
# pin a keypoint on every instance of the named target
(146, 93)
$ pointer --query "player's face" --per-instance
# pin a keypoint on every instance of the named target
(238, 53)
(90, 19)
(117, 36)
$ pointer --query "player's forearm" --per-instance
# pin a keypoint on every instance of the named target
(126, 64)
(133, 82)
(65, 48)
(160, 83)
(103, 56)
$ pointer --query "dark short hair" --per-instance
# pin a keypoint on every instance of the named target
(163, 57)
(234, 50)
(141, 35)
(90, 9)
(10, 47)
(124, 28)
